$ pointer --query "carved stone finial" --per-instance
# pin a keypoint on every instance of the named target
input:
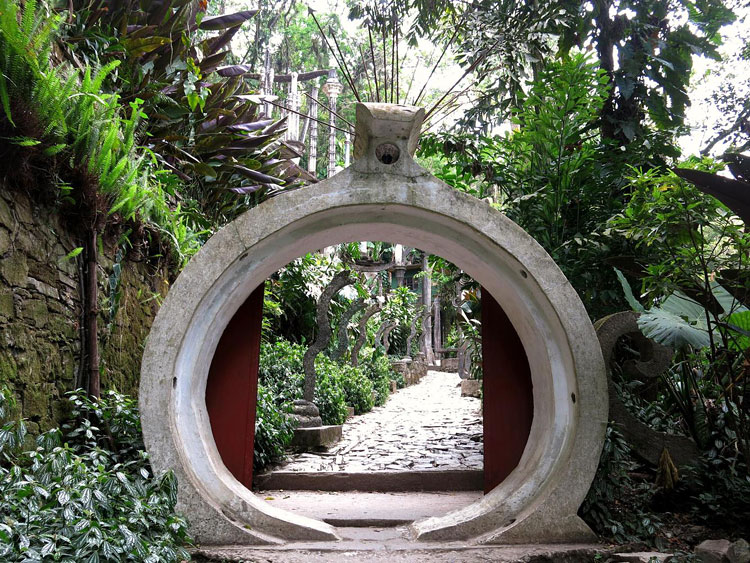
(386, 135)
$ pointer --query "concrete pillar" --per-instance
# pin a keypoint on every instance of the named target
(292, 130)
(427, 302)
(347, 149)
(312, 155)
(332, 88)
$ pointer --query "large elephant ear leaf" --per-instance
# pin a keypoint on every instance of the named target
(728, 302)
(685, 307)
(739, 333)
(672, 330)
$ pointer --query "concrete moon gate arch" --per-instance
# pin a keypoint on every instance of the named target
(395, 201)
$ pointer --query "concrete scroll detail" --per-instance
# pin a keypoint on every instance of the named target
(647, 443)
(394, 200)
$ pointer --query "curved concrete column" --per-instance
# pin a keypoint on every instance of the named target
(395, 202)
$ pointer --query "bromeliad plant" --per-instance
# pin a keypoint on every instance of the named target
(203, 126)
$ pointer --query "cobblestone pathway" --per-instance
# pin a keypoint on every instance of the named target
(424, 426)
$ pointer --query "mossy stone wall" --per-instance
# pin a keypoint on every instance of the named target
(41, 316)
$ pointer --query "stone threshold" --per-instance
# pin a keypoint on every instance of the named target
(373, 481)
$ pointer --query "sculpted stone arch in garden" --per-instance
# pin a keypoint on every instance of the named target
(385, 196)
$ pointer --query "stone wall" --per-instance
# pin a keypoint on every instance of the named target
(40, 312)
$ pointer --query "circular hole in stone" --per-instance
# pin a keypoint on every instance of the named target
(573, 396)
(387, 153)
(524, 274)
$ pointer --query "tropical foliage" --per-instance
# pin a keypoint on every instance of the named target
(86, 492)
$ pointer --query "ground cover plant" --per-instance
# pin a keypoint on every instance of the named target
(86, 492)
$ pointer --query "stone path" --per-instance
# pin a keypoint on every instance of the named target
(421, 427)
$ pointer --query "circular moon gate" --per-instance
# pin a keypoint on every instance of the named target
(395, 201)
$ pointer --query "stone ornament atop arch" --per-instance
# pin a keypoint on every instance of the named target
(400, 202)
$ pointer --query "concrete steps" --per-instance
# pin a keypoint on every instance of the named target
(373, 481)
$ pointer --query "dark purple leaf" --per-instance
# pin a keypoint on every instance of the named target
(216, 23)
(257, 176)
(732, 193)
(254, 126)
(210, 63)
(244, 190)
(215, 44)
(275, 127)
(235, 70)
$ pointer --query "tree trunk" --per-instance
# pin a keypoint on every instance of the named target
(91, 311)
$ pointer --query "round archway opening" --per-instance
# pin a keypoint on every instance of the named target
(507, 396)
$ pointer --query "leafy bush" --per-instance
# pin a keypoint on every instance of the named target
(87, 492)
(273, 429)
(614, 506)
(329, 393)
(281, 371)
(378, 369)
(357, 388)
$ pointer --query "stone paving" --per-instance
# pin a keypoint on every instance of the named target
(424, 426)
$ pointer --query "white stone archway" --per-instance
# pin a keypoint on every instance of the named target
(397, 202)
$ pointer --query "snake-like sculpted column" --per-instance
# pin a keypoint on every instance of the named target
(339, 281)
(369, 312)
(386, 334)
(343, 334)
(413, 331)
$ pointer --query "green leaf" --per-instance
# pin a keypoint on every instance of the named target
(629, 297)
(72, 254)
(672, 330)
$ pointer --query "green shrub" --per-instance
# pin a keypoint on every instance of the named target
(87, 492)
(329, 394)
(273, 429)
(616, 505)
(378, 369)
(357, 388)
(280, 370)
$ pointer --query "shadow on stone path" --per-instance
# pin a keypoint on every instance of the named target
(421, 427)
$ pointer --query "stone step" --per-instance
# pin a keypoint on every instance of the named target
(381, 481)
(369, 510)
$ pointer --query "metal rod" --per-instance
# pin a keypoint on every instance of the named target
(325, 107)
(345, 68)
(367, 74)
(434, 68)
(374, 65)
(385, 67)
(471, 68)
(393, 55)
(311, 12)
(398, 64)
(281, 106)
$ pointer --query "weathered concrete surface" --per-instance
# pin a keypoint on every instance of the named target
(316, 437)
(401, 202)
(647, 443)
(355, 509)
(394, 545)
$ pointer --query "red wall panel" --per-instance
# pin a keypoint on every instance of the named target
(232, 388)
(508, 401)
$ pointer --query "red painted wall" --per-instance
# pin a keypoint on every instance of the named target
(508, 401)
(232, 388)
